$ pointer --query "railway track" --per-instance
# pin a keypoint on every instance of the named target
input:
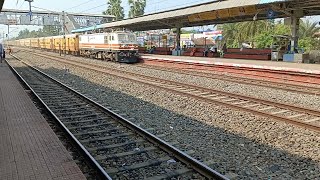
(297, 88)
(287, 76)
(249, 81)
(118, 148)
(304, 117)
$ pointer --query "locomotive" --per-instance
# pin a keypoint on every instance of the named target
(119, 46)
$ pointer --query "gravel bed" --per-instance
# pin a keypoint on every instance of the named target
(261, 78)
(233, 142)
(304, 100)
(250, 76)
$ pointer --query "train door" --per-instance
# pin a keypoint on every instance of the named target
(106, 40)
(76, 44)
(54, 44)
(51, 44)
(67, 39)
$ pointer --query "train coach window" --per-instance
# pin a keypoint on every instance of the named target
(122, 37)
(132, 37)
(112, 37)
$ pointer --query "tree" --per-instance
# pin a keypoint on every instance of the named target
(265, 39)
(260, 33)
(115, 8)
(230, 34)
(41, 32)
(251, 29)
(308, 29)
(306, 35)
(136, 7)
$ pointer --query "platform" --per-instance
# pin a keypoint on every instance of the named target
(273, 65)
(29, 149)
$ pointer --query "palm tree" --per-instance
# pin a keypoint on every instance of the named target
(236, 33)
(250, 29)
(308, 29)
(230, 34)
(136, 7)
(115, 8)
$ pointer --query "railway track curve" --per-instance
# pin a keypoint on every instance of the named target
(279, 75)
(118, 148)
(304, 117)
(249, 81)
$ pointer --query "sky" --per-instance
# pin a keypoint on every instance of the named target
(92, 6)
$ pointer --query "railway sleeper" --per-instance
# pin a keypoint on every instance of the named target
(80, 108)
(87, 120)
(80, 116)
(134, 152)
(65, 105)
(99, 131)
(106, 137)
(153, 162)
(171, 174)
(130, 142)
(66, 112)
(91, 126)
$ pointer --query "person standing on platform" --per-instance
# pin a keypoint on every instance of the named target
(1, 52)
(9, 50)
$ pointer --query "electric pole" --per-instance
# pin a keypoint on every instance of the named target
(30, 12)
(8, 34)
(64, 31)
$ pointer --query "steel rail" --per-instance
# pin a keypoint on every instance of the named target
(223, 67)
(286, 72)
(101, 171)
(148, 79)
(242, 80)
(249, 81)
(181, 156)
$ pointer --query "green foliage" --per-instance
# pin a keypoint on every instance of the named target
(136, 7)
(264, 39)
(115, 8)
(183, 31)
(306, 43)
(281, 29)
(259, 33)
(44, 32)
(308, 29)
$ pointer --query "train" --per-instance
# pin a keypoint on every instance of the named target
(119, 46)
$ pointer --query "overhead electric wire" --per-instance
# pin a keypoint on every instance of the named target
(79, 5)
(21, 4)
(124, 7)
(127, 6)
(44, 9)
(179, 6)
(93, 8)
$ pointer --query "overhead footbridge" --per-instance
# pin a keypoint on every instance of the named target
(51, 18)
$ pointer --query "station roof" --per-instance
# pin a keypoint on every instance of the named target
(1, 4)
(217, 12)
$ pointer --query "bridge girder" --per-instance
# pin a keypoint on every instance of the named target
(41, 18)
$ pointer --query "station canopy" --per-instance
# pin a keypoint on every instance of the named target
(1, 4)
(216, 12)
